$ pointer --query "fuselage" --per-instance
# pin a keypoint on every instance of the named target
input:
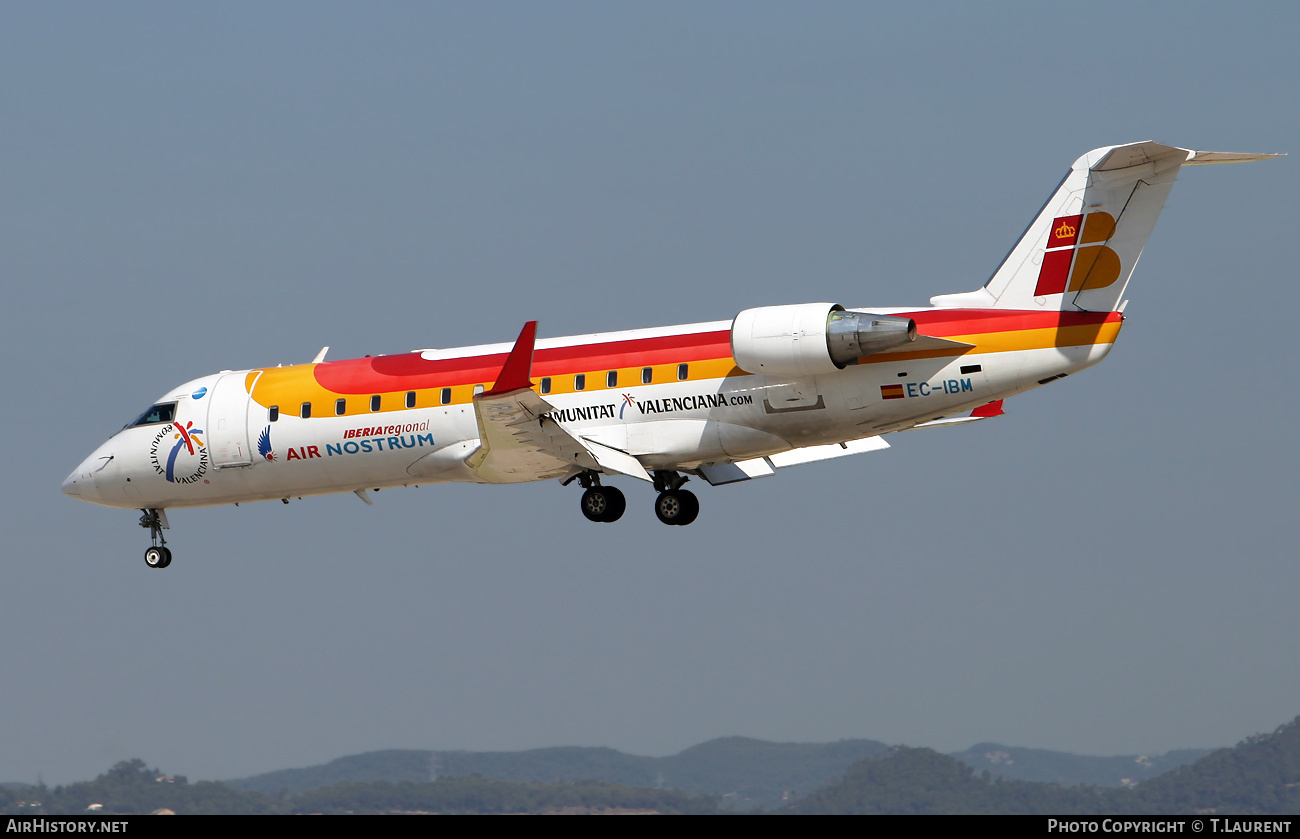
(671, 397)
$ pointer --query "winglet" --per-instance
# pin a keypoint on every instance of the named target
(993, 409)
(516, 373)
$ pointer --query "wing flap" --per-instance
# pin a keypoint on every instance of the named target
(811, 454)
(613, 460)
(718, 474)
(758, 467)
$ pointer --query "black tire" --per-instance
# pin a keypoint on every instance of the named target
(677, 507)
(156, 557)
(692, 505)
(596, 503)
(617, 504)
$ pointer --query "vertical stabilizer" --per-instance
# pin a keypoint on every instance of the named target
(1080, 251)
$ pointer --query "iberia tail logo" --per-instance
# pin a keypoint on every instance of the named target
(1077, 261)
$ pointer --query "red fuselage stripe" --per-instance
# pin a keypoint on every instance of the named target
(410, 371)
(941, 323)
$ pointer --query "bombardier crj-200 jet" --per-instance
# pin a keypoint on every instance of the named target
(725, 401)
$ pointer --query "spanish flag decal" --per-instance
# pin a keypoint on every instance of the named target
(891, 391)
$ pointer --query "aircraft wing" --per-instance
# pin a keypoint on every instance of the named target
(517, 442)
(514, 443)
(760, 467)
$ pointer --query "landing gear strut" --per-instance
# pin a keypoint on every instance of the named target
(158, 555)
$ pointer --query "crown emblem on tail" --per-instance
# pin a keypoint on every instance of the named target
(1065, 230)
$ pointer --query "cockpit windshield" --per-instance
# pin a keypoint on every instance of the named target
(166, 412)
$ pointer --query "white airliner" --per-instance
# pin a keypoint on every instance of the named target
(725, 401)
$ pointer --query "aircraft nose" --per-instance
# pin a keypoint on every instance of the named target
(81, 483)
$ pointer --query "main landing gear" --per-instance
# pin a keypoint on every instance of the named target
(602, 504)
(158, 555)
(677, 506)
(674, 505)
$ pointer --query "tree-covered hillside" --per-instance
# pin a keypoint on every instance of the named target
(131, 787)
(747, 773)
(1259, 776)
(1022, 764)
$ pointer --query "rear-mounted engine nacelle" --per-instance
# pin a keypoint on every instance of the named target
(809, 339)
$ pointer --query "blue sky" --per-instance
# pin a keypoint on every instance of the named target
(1107, 569)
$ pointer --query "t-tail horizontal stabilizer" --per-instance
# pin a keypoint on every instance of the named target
(993, 409)
(1079, 252)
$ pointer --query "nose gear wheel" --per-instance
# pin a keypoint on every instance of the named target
(158, 557)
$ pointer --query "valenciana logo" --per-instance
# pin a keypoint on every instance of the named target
(187, 459)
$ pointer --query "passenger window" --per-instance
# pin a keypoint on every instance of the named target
(157, 414)
(580, 381)
(647, 375)
(446, 396)
(683, 370)
(611, 378)
(546, 384)
(306, 410)
(410, 399)
(375, 401)
(273, 413)
(478, 389)
(340, 407)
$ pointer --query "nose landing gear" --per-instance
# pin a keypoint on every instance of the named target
(158, 555)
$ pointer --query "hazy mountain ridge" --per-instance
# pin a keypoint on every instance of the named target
(1260, 775)
(746, 772)
(1066, 768)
